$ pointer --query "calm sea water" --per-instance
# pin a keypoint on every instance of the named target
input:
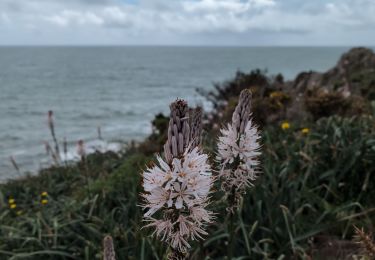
(119, 89)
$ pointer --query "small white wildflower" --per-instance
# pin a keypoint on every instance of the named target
(179, 242)
(156, 200)
(200, 214)
(163, 228)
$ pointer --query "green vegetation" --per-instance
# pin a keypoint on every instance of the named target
(317, 182)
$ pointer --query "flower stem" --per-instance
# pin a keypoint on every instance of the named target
(231, 230)
(231, 219)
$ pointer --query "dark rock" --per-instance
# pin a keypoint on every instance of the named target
(356, 61)
(340, 90)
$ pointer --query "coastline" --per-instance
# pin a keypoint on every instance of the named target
(120, 90)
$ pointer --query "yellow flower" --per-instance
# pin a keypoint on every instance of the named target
(275, 94)
(285, 125)
(305, 130)
(44, 202)
(13, 206)
(44, 194)
(11, 201)
(19, 213)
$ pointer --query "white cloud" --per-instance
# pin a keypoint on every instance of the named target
(69, 17)
(190, 17)
(117, 16)
(194, 19)
(235, 6)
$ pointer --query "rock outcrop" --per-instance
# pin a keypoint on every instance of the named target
(344, 89)
(347, 89)
(344, 76)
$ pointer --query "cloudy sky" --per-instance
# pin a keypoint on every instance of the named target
(187, 22)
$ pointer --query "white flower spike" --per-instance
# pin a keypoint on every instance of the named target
(177, 189)
(238, 152)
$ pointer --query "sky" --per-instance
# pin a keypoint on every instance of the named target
(188, 22)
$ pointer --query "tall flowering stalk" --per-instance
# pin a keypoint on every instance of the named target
(15, 164)
(51, 127)
(65, 148)
(81, 151)
(238, 151)
(367, 245)
(177, 189)
(108, 249)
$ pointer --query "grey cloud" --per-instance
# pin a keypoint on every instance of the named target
(197, 20)
(11, 6)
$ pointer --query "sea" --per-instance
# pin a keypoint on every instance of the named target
(118, 90)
